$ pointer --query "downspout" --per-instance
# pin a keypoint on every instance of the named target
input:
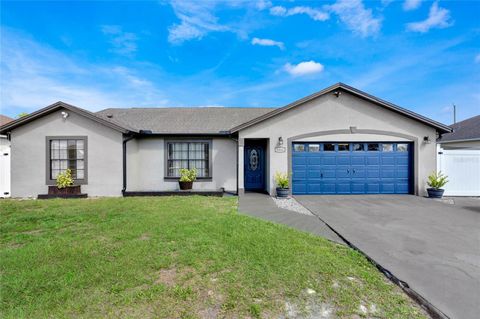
(236, 140)
(126, 138)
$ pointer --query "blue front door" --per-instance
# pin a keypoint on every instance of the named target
(352, 168)
(254, 168)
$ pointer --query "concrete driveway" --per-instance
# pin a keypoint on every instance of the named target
(431, 245)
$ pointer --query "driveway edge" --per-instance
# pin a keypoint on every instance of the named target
(433, 311)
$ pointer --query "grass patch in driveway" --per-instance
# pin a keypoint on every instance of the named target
(178, 257)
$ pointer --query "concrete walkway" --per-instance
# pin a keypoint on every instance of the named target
(263, 207)
(433, 246)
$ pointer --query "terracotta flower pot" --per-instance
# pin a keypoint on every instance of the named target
(185, 185)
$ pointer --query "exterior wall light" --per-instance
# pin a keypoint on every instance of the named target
(426, 140)
(280, 141)
(64, 115)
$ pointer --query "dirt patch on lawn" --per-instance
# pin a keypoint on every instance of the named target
(144, 237)
(167, 277)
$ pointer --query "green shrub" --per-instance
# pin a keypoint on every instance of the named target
(188, 175)
(282, 180)
(65, 179)
(437, 180)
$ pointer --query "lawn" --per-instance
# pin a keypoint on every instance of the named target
(178, 257)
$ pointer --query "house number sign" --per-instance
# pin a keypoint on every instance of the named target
(280, 149)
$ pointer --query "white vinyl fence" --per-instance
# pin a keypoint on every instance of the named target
(4, 168)
(463, 170)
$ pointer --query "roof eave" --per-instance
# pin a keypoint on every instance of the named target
(459, 140)
(439, 126)
(52, 108)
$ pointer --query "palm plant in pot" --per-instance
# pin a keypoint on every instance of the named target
(436, 181)
(282, 181)
(187, 177)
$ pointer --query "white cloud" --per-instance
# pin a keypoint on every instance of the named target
(477, 58)
(356, 17)
(196, 20)
(437, 18)
(268, 43)
(30, 81)
(409, 5)
(303, 68)
(315, 14)
(263, 4)
(124, 43)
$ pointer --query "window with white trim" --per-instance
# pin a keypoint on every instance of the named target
(188, 155)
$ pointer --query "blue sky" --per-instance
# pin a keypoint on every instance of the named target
(421, 55)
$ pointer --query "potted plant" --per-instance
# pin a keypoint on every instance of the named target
(282, 181)
(436, 181)
(64, 185)
(187, 177)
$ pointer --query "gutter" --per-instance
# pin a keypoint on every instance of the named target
(124, 154)
(457, 141)
(236, 160)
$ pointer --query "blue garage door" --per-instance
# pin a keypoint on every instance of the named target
(351, 168)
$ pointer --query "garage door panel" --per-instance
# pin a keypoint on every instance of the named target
(402, 188)
(388, 160)
(372, 188)
(299, 160)
(359, 170)
(328, 160)
(342, 171)
(387, 188)
(299, 174)
(358, 188)
(314, 188)
(402, 172)
(372, 160)
(314, 160)
(402, 160)
(314, 174)
(343, 187)
(343, 160)
(373, 172)
(358, 160)
(387, 172)
(299, 188)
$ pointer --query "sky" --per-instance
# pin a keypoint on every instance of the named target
(421, 55)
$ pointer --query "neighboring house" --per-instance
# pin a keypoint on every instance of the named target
(459, 158)
(4, 160)
(337, 141)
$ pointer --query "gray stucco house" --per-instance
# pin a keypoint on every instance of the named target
(339, 140)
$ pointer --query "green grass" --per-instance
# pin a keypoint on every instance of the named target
(176, 257)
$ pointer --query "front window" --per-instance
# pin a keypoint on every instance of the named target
(188, 155)
(67, 153)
